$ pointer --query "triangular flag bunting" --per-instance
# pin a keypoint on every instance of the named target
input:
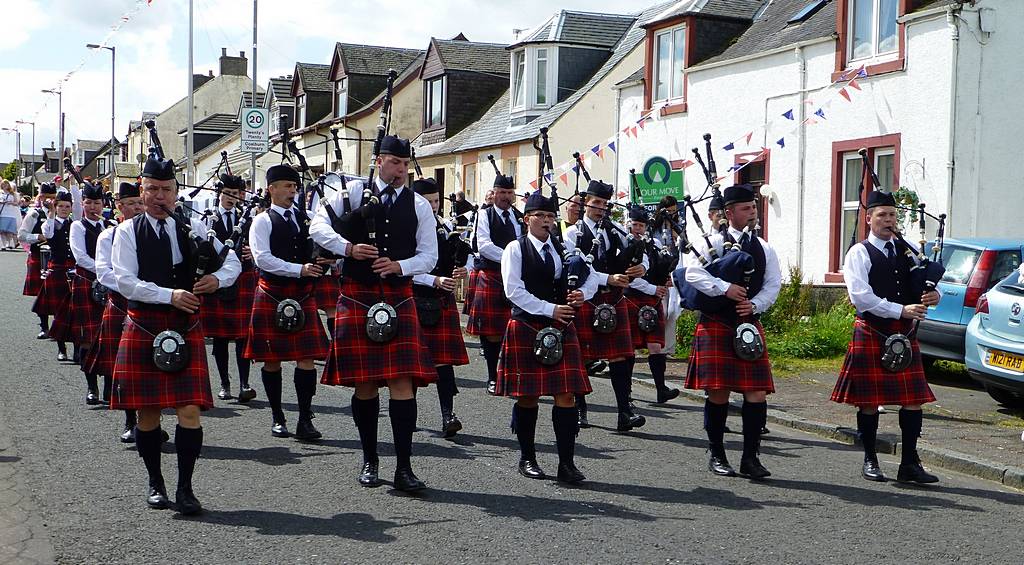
(862, 72)
(854, 84)
(600, 153)
(576, 169)
(820, 113)
(811, 121)
(749, 135)
(611, 146)
(533, 184)
(788, 115)
(845, 94)
(687, 163)
(781, 142)
(632, 130)
(729, 147)
(595, 149)
(564, 178)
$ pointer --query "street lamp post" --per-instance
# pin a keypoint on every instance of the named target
(60, 123)
(32, 156)
(112, 90)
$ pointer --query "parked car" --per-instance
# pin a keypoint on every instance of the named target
(995, 342)
(973, 266)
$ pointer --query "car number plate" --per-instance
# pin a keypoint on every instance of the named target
(1006, 360)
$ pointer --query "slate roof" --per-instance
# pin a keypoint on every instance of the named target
(247, 99)
(314, 77)
(736, 9)
(360, 59)
(282, 87)
(136, 124)
(582, 28)
(220, 123)
(772, 31)
(637, 75)
(458, 55)
(27, 158)
(91, 144)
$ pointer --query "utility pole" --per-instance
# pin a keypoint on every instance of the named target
(252, 156)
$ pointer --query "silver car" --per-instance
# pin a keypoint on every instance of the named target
(995, 341)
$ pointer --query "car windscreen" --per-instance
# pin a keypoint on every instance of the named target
(959, 263)
(1012, 284)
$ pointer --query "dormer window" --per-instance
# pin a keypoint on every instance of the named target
(670, 60)
(433, 102)
(872, 28)
(341, 97)
(533, 78)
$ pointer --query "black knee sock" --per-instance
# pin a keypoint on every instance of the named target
(91, 381)
(129, 419)
(630, 365)
(563, 420)
(657, 362)
(330, 327)
(619, 371)
(44, 322)
(148, 445)
(305, 390)
(62, 347)
(867, 425)
(243, 363)
(492, 349)
(446, 388)
(524, 425)
(581, 403)
(108, 387)
(189, 443)
(220, 356)
(755, 415)
(403, 424)
(715, 416)
(365, 414)
(910, 425)
(272, 386)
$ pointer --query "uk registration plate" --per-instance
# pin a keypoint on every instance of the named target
(1006, 360)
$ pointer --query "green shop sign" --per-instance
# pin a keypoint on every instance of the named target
(657, 179)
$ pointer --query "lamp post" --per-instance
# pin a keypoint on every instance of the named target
(112, 89)
(60, 123)
(32, 156)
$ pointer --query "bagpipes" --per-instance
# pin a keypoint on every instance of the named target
(458, 248)
(636, 246)
(663, 258)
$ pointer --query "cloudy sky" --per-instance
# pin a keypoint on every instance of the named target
(45, 39)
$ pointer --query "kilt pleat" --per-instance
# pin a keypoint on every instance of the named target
(713, 363)
(103, 354)
(137, 381)
(635, 301)
(521, 374)
(489, 310)
(326, 290)
(33, 282)
(55, 290)
(229, 319)
(356, 359)
(86, 315)
(266, 342)
(596, 345)
(444, 339)
(467, 296)
(864, 382)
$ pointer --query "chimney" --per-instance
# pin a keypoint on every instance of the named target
(200, 79)
(234, 66)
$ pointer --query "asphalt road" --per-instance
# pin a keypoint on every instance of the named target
(70, 492)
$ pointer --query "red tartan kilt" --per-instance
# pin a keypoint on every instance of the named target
(56, 290)
(33, 284)
(326, 290)
(102, 355)
(137, 381)
(467, 296)
(489, 310)
(230, 318)
(356, 359)
(444, 339)
(266, 342)
(520, 374)
(636, 301)
(713, 363)
(864, 382)
(86, 314)
(596, 345)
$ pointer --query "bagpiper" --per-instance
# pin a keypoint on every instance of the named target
(31, 232)
(55, 297)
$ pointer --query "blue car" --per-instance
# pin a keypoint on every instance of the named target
(995, 342)
(973, 266)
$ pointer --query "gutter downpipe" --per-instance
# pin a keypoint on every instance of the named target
(801, 158)
(951, 20)
(618, 105)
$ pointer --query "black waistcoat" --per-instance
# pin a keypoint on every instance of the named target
(445, 261)
(760, 264)
(92, 232)
(585, 243)
(60, 243)
(889, 278)
(155, 259)
(396, 235)
(222, 233)
(296, 248)
(537, 282)
(501, 233)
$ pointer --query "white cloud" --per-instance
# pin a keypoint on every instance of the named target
(28, 16)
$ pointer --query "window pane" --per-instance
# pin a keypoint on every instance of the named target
(678, 59)
(518, 84)
(886, 26)
(959, 263)
(542, 76)
(664, 55)
(851, 178)
(436, 100)
(883, 168)
(863, 12)
(849, 221)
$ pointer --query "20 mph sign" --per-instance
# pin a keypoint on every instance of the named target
(255, 131)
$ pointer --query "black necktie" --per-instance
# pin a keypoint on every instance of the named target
(229, 220)
(165, 242)
(389, 197)
(549, 262)
(890, 250)
(505, 217)
(291, 225)
(745, 241)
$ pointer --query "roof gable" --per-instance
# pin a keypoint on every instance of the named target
(473, 56)
(580, 28)
(310, 77)
(358, 59)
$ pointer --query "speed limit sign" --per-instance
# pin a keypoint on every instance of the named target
(255, 131)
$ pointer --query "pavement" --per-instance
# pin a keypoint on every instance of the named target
(70, 493)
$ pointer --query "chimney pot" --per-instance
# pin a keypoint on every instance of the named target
(241, 54)
(223, 51)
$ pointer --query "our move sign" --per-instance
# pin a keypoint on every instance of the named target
(655, 180)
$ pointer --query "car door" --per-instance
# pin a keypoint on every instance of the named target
(959, 261)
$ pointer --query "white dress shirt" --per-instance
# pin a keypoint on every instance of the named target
(855, 272)
(515, 288)
(485, 247)
(51, 226)
(713, 286)
(78, 249)
(573, 235)
(104, 247)
(259, 245)
(643, 285)
(426, 227)
(125, 262)
(25, 234)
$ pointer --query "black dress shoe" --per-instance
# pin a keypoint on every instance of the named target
(42, 335)
(491, 387)
(62, 356)
(157, 497)
(581, 420)
(92, 399)
(246, 394)
(128, 436)
(872, 471)
(753, 469)
(306, 431)
(368, 476)
(450, 425)
(596, 367)
(187, 502)
(568, 473)
(164, 436)
(914, 473)
(279, 430)
(406, 481)
(629, 421)
(225, 393)
(765, 431)
(530, 469)
(719, 465)
(667, 394)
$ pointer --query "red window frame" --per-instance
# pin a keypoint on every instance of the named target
(762, 157)
(843, 32)
(679, 107)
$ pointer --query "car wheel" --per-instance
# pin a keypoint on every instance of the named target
(1005, 397)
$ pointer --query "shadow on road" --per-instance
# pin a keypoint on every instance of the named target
(900, 496)
(356, 526)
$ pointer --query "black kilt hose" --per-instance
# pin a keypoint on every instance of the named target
(444, 339)
(138, 383)
(596, 345)
(266, 341)
(864, 382)
(636, 300)
(521, 374)
(33, 282)
(227, 315)
(101, 356)
(86, 314)
(356, 359)
(489, 310)
(713, 363)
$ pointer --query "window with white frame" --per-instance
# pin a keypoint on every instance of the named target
(518, 78)
(341, 97)
(884, 163)
(300, 103)
(510, 167)
(433, 102)
(534, 81)
(872, 28)
(540, 83)
(101, 167)
(469, 180)
(669, 63)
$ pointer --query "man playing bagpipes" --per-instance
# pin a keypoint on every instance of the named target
(31, 232)
(728, 352)
(55, 297)
(161, 361)
(285, 325)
